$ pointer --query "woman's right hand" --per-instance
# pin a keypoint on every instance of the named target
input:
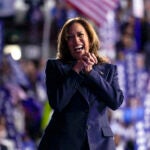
(89, 60)
(85, 63)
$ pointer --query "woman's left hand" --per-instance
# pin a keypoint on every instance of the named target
(89, 60)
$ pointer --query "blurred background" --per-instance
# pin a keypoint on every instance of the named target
(28, 37)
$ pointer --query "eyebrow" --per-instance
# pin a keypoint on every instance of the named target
(73, 33)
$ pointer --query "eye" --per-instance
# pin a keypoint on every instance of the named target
(69, 37)
(80, 35)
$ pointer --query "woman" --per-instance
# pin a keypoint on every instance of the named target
(80, 87)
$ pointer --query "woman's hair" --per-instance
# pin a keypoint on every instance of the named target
(62, 47)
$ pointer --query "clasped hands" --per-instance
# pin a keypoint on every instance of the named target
(86, 63)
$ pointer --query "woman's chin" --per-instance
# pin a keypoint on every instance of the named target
(78, 56)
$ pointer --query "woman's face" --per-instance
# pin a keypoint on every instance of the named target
(77, 40)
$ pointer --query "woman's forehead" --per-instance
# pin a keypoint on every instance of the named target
(76, 27)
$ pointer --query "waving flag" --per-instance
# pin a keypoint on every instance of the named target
(95, 10)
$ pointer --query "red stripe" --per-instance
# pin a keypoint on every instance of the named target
(100, 5)
(79, 5)
(96, 10)
(110, 4)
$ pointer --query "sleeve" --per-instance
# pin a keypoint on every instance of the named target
(61, 84)
(108, 90)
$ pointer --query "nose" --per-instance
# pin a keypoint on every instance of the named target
(76, 39)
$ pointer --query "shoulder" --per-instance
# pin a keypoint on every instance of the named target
(52, 62)
(106, 69)
(52, 65)
(111, 66)
(107, 66)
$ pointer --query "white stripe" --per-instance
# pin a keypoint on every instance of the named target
(87, 11)
(111, 3)
(95, 9)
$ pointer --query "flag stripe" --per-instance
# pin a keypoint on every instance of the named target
(85, 10)
(111, 4)
(94, 9)
(82, 7)
(101, 5)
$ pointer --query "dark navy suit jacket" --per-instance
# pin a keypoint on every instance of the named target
(80, 103)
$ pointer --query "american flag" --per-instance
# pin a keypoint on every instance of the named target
(95, 10)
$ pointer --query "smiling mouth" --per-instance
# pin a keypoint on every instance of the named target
(79, 48)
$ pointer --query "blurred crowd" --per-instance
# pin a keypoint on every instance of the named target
(24, 109)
